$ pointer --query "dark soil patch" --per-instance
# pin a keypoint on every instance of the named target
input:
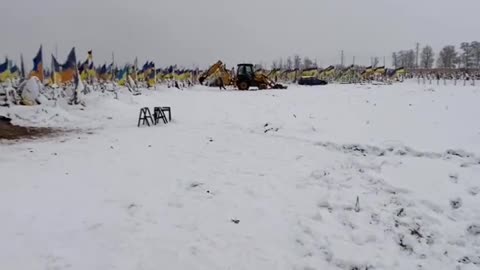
(9, 131)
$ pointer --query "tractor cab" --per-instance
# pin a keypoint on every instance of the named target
(245, 76)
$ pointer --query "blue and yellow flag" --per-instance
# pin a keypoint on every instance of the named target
(122, 76)
(37, 70)
(56, 71)
(400, 71)
(15, 72)
(4, 71)
(367, 71)
(86, 69)
(103, 73)
(310, 72)
(328, 72)
(90, 56)
(65, 73)
(151, 75)
(380, 70)
(56, 67)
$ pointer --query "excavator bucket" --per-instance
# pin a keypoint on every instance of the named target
(279, 86)
(263, 80)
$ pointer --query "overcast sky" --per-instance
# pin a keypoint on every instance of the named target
(199, 32)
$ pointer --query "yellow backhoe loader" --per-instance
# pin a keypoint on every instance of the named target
(245, 78)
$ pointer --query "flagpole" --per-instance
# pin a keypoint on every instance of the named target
(53, 72)
(135, 71)
(22, 66)
(113, 65)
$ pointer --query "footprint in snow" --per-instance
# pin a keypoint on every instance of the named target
(453, 178)
(470, 259)
(474, 191)
(194, 185)
(456, 203)
(474, 229)
(317, 174)
(271, 129)
(132, 209)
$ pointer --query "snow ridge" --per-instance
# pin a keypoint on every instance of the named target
(368, 150)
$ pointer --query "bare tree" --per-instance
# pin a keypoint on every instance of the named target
(402, 59)
(476, 53)
(280, 63)
(395, 59)
(467, 56)
(410, 59)
(427, 57)
(406, 59)
(274, 64)
(307, 63)
(289, 64)
(375, 61)
(297, 61)
(258, 66)
(417, 51)
(447, 58)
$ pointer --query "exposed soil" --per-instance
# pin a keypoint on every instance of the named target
(9, 131)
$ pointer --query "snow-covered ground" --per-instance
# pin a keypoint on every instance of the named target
(333, 177)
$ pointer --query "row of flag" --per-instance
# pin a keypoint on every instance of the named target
(10, 70)
(65, 73)
(61, 74)
(335, 73)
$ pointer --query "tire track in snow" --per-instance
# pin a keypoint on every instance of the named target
(467, 158)
(368, 150)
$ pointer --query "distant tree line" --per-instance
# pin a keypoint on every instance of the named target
(467, 57)
(294, 62)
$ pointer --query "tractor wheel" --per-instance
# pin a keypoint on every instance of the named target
(262, 86)
(243, 86)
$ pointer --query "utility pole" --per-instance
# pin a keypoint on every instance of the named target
(353, 62)
(384, 61)
(417, 54)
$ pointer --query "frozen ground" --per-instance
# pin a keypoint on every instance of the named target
(248, 180)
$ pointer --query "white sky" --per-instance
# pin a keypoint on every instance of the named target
(199, 32)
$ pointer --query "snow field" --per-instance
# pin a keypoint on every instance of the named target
(248, 180)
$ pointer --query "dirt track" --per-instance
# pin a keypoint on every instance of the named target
(8, 131)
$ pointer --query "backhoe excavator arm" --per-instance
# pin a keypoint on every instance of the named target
(265, 82)
(210, 71)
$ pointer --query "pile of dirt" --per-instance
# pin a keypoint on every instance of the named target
(9, 131)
